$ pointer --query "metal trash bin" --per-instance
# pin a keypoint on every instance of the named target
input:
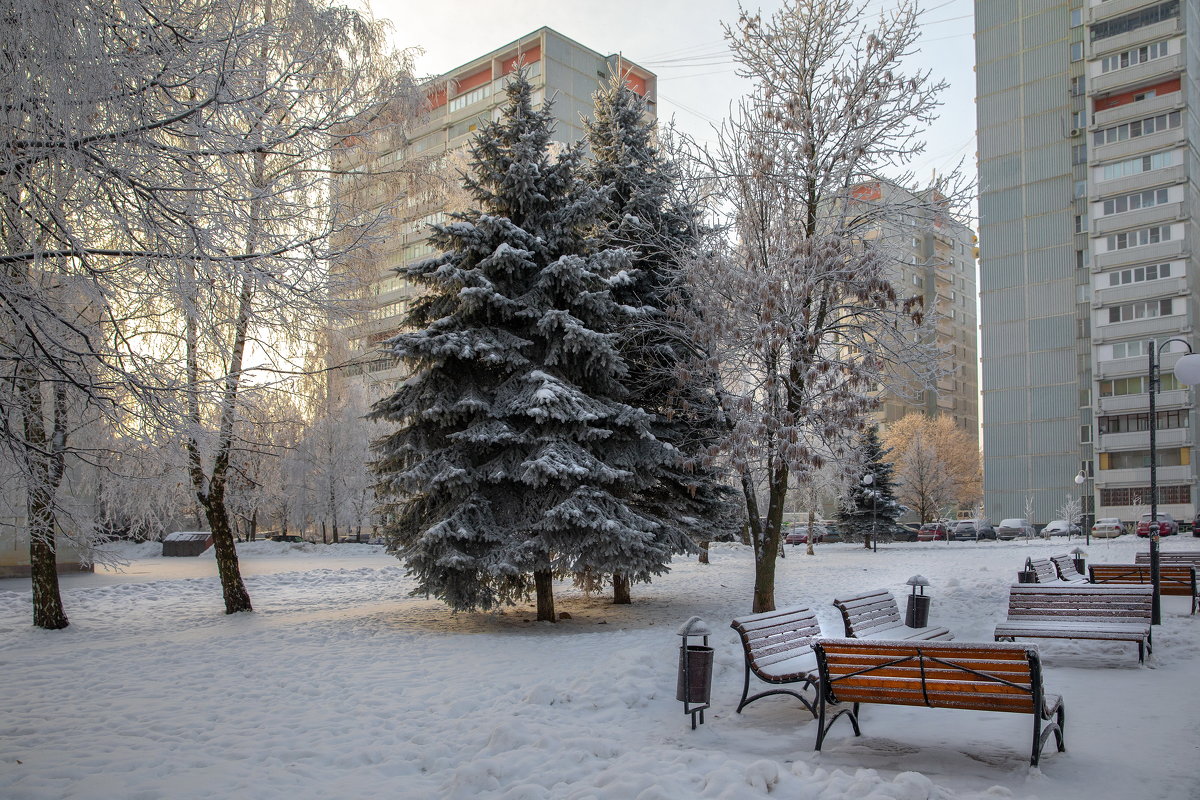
(917, 613)
(1026, 576)
(694, 685)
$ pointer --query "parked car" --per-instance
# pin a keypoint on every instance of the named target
(799, 534)
(1060, 527)
(1108, 528)
(984, 530)
(964, 530)
(933, 532)
(905, 532)
(1167, 526)
(832, 534)
(1015, 528)
(1196, 526)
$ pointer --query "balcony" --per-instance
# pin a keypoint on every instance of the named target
(1176, 398)
(1106, 9)
(1117, 151)
(1147, 33)
(1140, 440)
(1137, 74)
(1141, 476)
(1137, 109)
(1145, 254)
(1132, 292)
(1141, 218)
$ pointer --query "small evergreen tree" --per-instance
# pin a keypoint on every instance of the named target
(871, 506)
(647, 213)
(515, 456)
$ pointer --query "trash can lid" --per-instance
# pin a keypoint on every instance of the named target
(694, 627)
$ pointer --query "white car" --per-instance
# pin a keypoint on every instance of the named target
(1108, 528)
(1060, 527)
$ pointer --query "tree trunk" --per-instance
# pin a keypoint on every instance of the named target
(704, 552)
(621, 589)
(45, 457)
(544, 582)
(233, 589)
(811, 530)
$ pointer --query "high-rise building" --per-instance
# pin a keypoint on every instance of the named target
(1088, 164)
(458, 102)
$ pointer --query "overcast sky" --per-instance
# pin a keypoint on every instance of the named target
(682, 42)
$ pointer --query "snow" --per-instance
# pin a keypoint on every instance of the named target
(341, 685)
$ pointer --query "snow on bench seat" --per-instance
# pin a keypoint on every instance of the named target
(1065, 565)
(875, 615)
(1067, 611)
(778, 650)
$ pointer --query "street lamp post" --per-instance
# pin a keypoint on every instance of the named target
(868, 480)
(1187, 371)
(1080, 480)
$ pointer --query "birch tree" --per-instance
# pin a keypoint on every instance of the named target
(800, 316)
(165, 173)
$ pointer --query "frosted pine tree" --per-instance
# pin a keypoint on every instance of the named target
(514, 457)
(648, 213)
(871, 507)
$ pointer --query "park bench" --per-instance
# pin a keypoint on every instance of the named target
(1065, 565)
(875, 615)
(1067, 611)
(1187, 557)
(1044, 569)
(778, 649)
(1173, 579)
(973, 676)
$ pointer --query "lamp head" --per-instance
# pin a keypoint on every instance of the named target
(1187, 369)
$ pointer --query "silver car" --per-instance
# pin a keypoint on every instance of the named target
(1108, 528)
(1015, 529)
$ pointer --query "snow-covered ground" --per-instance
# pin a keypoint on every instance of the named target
(339, 685)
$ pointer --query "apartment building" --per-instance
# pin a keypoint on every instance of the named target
(1088, 160)
(458, 102)
(937, 261)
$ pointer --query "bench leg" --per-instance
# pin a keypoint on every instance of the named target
(823, 727)
(747, 699)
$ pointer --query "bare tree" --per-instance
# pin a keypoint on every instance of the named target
(800, 317)
(165, 179)
(937, 464)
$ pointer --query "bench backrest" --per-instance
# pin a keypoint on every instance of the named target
(1046, 572)
(1079, 602)
(868, 611)
(774, 636)
(1065, 565)
(1172, 578)
(989, 677)
(1179, 557)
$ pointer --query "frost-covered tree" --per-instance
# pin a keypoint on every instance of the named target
(800, 316)
(937, 464)
(870, 506)
(165, 169)
(650, 213)
(515, 456)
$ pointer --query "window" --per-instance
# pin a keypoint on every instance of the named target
(1136, 385)
(1081, 259)
(1080, 189)
(1079, 120)
(1136, 166)
(1134, 423)
(1139, 238)
(1137, 459)
(1078, 86)
(1144, 310)
(1141, 127)
(1150, 272)
(1076, 51)
(1135, 20)
(1076, 17)
(1081, 223)
(1132, 202)
(1078, 154)
(1085, 434)
(471, 97)
(1140, 495)
(1133, 57)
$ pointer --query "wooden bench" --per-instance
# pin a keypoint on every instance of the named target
(980, 677)
(1175, 579)
(875, 615)
(1186, 557)
(1065, 566)
(778, 650)
(1065, 611)
(1044, 568)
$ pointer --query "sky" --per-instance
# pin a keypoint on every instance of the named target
(682, 42)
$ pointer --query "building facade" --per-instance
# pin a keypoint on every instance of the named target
(458, 102)
(1087, 133)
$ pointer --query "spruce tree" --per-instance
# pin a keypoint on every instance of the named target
(871, 507)
(648, 214)
(515, 457)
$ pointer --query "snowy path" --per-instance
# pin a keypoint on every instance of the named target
(339, 685)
